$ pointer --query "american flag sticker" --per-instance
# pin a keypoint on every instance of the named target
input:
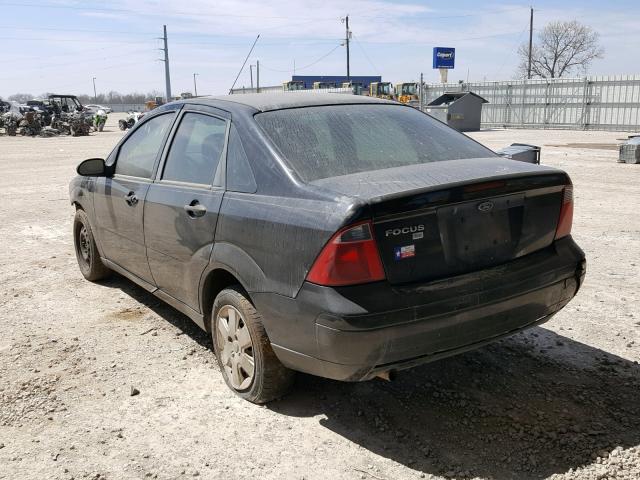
(407, 251)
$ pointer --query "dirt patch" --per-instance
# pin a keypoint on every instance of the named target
(558, 402)
(129, 314)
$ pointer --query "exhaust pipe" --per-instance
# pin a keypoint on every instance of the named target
(388, 375)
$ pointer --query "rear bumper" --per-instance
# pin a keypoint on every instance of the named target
(353, 333)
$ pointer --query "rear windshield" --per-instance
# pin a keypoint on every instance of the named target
(330, 141)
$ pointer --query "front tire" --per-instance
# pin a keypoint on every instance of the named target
(87, 254)
(248, 364)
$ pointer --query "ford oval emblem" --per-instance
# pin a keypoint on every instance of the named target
(485, 207)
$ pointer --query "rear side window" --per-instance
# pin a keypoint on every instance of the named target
(329, 141)
(138, 153)
(239, 174)
(196, 149)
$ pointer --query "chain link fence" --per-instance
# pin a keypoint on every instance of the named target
(589, 103)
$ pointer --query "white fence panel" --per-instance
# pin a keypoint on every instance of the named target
(590, 103)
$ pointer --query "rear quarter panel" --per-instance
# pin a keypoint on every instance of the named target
(270, 242)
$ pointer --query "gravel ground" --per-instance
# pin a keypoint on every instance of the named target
(560, 401)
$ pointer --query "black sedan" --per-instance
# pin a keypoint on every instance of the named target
(338, 235)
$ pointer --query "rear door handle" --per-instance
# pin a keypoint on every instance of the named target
(194, 209)
(131, 199)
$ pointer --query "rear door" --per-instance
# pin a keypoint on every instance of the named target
(119, 200)
(182, 205)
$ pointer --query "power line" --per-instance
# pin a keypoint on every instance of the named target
(375, 69)
(463, 15)
(480, 37)
(126, 10)
(83, 30)
(306, 66)
(233, 15)
(62, 40)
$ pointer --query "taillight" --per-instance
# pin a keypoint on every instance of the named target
(350, 257)
(566, 212)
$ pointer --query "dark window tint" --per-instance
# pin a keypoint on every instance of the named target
(138, 153)
(329, 141)
(196, 149)
(239, 174)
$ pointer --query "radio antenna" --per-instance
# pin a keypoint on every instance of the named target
(244, 63)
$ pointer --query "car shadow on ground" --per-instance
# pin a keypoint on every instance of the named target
(525, 407)
(160, 308)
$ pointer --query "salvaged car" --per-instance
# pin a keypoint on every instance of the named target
(64, 103)
(343, 236)
(11, 118)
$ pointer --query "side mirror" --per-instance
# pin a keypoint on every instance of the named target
(93, 167)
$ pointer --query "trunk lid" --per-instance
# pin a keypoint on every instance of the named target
(446, 218)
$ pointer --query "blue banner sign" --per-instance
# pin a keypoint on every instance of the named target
(444, 57)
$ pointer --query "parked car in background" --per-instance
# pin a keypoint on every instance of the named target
(343, 236)
(93, 108)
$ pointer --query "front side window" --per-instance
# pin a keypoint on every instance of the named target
(138, 153)
(196, 149)
(329, 141)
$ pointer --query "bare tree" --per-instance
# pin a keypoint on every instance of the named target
(20, 97)
(560, 49)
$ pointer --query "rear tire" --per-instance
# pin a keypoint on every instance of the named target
(248, 364)
(122, 124)
(89, 261)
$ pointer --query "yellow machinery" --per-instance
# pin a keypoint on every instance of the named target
(151, 104)
(381, 90)
(323, 85)
(356, 87)
(407, 92)
(292, 85)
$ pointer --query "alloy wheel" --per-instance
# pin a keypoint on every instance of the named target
(235, 347)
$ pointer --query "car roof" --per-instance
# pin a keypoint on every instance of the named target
(264, 102)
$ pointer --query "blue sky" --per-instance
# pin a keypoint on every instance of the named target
(60, 45)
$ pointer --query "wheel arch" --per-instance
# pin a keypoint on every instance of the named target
(213, 282)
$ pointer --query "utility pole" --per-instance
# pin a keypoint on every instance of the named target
(421, 91)
(167, 78)
(257, 76)
(530, 42)
(346, 42)
(251, 73)
(195, 85)
(95, 95)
